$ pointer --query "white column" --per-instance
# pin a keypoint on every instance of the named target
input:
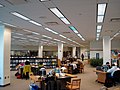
(73, 51)
(106, 49)
(40, 51)
(60, 51)
(5, 47)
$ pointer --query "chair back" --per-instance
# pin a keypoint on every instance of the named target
(76, 83)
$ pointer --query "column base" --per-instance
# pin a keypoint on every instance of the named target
(4, 85)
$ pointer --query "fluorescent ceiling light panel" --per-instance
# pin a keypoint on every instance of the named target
(97, 39)
(62, 36)
(1, 5)
(100, 19)
(9, 24)
(79, 35)
(23, 38)
(20, 16)
(99, 30)
(32, 37)
(56, 12)
(47, 36)
(63, 41)
(15, 37)
(57, 40)
(83, 39)
(101, 9)
(19, 34)
(99, 26)
(44, 0)
(65, 20)
(69, 39)
(98, 34)
(73, 29)
(51, 30)
(27, 30)
(44, 39)
(33, 22)
(36, 33)
(33, 40)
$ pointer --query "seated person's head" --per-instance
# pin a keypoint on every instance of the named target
(27, 63)
(107, 63)
(113, 64)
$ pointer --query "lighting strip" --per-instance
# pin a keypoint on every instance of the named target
(31, 32)
(47, 36)
(7, 24)
(101, 9)
(32, 37)
(1, 6)
(116, 34)
(62, 36)
(76, 32)
(25, 18)
(58, 13)
(44, 0)
(50, 30)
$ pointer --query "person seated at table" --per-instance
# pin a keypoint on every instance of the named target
(113, 69)
(106, 67)
(42, 71)
(57, 69)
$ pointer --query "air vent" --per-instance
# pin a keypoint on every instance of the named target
(17, 2)
(51, 23)
(66, 32)
(115, 20)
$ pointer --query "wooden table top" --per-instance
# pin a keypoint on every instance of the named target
(36, 78)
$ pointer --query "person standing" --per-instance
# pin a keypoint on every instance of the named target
(82, 56)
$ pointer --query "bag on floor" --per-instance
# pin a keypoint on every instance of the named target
(18, 76)
(33, 87)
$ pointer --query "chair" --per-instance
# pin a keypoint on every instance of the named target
(74, 85)
(81, 68)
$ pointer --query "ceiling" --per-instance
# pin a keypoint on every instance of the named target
(81, 14)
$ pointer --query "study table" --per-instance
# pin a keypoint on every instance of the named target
(62, 79)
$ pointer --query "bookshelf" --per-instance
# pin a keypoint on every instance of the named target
(47, 62)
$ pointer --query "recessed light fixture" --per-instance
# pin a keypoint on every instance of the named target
(20, 15)
(62, 36)
(100, 19)
(43, 0)
(36, 23)
(1, 6)
(97, 39)
(25, 18)
(65, 20)
(101, 8)
(47, 36)
(32, 37)
(58, 13)
(98, 30)
(48, 29)
(9, 24)
(99, 26)
(56, 40)
(19, 34)
(73, 29)
(79, 35)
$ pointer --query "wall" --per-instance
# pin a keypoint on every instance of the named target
(97, 47)
(85, 51)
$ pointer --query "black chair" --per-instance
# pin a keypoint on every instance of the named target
(116, 76)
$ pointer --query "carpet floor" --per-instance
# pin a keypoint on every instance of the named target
(87, 81)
